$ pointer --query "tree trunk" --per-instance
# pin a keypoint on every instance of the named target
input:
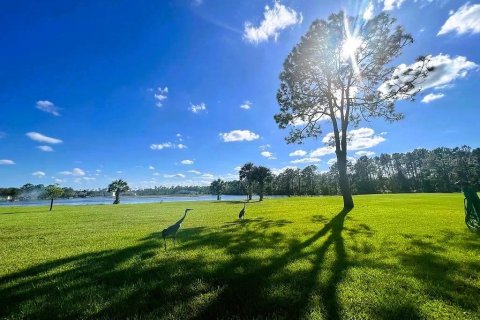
(51, 204)
(343, 180)
(218, 197)
(117, 197)
(261, 192)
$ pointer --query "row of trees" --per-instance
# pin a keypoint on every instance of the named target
(421, 170)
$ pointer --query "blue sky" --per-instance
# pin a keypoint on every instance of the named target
(182, 92)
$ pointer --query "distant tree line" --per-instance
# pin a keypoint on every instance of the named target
(421, 170)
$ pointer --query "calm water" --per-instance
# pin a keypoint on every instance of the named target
(123, 200)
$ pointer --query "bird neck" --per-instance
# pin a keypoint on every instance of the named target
(183, 218)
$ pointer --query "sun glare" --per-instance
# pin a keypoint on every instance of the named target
(350, 46)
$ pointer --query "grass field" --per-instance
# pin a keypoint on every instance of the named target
(392, 257)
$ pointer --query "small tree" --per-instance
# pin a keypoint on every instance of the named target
(246, 176)
(217, 187)
(53, 191)
(261, 175)
(118, 186)
(340, 72)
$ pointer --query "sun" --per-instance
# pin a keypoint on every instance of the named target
(350, 46)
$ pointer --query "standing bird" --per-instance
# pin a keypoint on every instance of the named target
(173, 229)
(241, 215)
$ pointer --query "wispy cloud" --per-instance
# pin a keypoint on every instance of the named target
(45, 148)
(187, 162)
(365, 153)
(167, 145)
(268, 155)
(42, 138)
(392, 4)
(239, 135)
(197, 108)
(246, 105)
(39, 174)
(151, 167)
(322, 151)
(6, 162)
(195, 172)
(275, 19)
(297, 153)
(160, 96)
(432, 97)
(177, 175)
(75, 172)
(48, 107)
(464, 20)
(368, 13)
(306, 160)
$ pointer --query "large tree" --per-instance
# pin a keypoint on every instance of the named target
(118, 186)
(52, 192)
(341, 72)
(217, 187)
(261, 175)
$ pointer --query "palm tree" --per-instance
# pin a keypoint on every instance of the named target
(261, 175)
(217, 187)
(118, 186)
(246, 175)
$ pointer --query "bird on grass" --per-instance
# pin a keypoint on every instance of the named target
(172, 230)
(241, 215)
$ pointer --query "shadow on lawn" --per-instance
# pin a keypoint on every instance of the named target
(144, 281)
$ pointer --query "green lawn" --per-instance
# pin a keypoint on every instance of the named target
(392, 257)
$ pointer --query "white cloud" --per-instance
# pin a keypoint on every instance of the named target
(160, 96)
(208, 176)
(237, 168)
(156, 174)
(268, 155)
(264, 147)
(277, 171)
(178, 175)
(365, 153)
(6, 162)
(42, 138)
(320, 152)
(187, 162)
(392, 4)
(119, 171)
(151, 168)
(75, 172)
(39, 174)
(196, 108)
(89, 178)
(275, 19)
(464, 20)
(181, 146)
(161, 146)
(368, 13)
(306, 160)
(45, 148)
(446, 71)
(432, 97)
(239, 135)
(194, 171)
(48, 107)
(297, 153)
(334, 160)
(246, 105)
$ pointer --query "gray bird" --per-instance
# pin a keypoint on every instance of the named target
(172, 230)
(241, 215)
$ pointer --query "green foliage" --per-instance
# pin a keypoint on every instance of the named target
(118, 186)
(392, 257)
(217, 187)
(53, 191)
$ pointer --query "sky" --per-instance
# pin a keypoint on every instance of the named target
(184, 92)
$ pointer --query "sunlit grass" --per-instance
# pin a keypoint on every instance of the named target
(393, 256)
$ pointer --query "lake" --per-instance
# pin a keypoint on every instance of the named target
(125, 200)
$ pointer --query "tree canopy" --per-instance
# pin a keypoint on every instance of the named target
(341, 72)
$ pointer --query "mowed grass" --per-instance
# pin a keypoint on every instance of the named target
(392, 257)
